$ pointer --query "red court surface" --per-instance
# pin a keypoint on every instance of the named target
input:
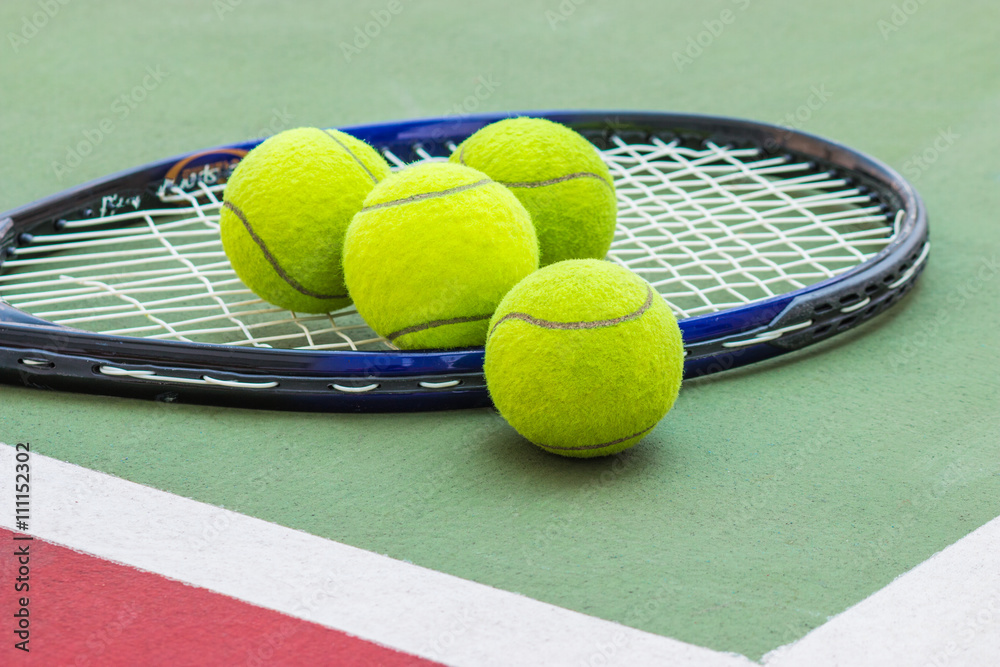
(97, 612)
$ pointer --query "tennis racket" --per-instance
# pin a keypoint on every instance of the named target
(762, 239)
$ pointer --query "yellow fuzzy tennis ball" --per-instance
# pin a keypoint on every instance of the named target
(583, 358)
(559, 177)
(285, 211)
(433, 251)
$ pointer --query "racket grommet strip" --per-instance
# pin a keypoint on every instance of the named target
(440, 385)
(768, 336)
(355, 390)
(239, 384)
(763, 240)
(909, 273)
(36, 363)
(141, 374)
(857, 306)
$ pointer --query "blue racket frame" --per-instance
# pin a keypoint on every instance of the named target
(36, 352)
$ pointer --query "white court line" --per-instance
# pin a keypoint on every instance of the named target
(396, 604)
(943, 613)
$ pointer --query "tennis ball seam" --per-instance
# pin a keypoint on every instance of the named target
(548, 324)
(436, 323)
(554, 181)
(351, 153)
(540, 184)
(427, 195)
(583, 448)
(272, 260)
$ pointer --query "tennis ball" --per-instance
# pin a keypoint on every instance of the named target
(433, 251)
(583, 358)
(559, 177)
(285, 211)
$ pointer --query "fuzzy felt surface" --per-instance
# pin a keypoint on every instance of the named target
(432, 253)
(768, 500)
(583, 358)
(286, 209)
(559, 177)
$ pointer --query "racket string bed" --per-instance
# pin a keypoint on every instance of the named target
(715, 228)
(763, 240)
(161, 274)
(711, 226)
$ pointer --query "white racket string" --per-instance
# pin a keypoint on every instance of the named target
(711, 228)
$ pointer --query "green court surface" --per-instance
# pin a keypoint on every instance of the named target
(770, 498)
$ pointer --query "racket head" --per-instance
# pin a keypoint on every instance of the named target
(37, 352)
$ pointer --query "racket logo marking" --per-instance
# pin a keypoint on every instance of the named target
(190, 171)
(111, 204)
(641, 151)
